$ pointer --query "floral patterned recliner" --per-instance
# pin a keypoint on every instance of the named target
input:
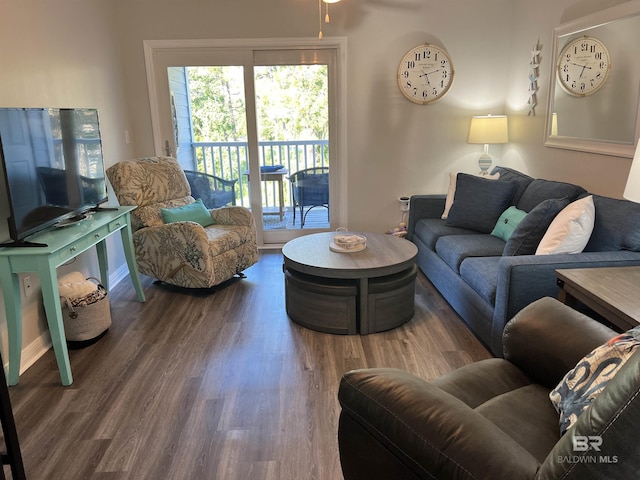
(181, 253)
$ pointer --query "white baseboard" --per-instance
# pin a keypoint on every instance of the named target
(120, 274)
(34, 351)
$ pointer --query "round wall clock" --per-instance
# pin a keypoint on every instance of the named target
(425, 74)
(583, 66)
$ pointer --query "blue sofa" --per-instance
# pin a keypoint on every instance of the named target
(487, 285)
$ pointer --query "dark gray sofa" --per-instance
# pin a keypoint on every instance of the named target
(487, 288)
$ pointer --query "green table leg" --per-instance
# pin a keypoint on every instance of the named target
(103, 263)
(13, 308)
(129, 253)
(51, 296)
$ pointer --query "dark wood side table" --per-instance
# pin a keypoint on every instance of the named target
(613, 292)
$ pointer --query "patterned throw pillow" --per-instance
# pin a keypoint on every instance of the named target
(580, 386)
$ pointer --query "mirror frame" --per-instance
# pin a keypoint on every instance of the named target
(612, 14)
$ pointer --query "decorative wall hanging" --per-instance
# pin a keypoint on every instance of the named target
(534, 73)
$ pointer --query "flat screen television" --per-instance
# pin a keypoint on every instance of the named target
(53, 167)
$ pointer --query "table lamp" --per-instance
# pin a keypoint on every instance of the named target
(632, 189)
(489, 129)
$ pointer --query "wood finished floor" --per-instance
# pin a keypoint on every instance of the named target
(200, 385)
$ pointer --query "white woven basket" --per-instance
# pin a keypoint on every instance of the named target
(86, 321)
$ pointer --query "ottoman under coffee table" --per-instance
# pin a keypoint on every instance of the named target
(349, 293)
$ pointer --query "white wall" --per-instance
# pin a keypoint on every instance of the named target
(61, 53)
(394, 146)
(90, 53)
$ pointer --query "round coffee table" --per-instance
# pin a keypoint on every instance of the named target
(349, 293)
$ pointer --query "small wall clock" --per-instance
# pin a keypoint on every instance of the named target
(425, 74)
(583, 66)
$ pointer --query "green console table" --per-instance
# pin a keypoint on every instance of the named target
(62, 244)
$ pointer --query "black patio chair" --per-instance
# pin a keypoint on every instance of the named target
(215, 192)
(309, 188)
(54, 183)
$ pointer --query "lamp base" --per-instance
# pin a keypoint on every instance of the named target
(484, 163)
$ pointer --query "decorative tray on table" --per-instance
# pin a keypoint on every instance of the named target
(345, 242)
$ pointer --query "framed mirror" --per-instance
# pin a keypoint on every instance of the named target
(594, 90)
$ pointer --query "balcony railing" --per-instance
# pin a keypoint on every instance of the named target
(230, 160)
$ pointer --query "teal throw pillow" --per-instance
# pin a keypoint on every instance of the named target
(507, 223)
(194, 212)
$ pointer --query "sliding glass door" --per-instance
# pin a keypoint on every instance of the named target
(265, 121)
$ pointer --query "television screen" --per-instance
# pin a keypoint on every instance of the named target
(53, 165)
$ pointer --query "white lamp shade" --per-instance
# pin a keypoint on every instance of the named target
(632, 189)
(489, 129)
(330, 1)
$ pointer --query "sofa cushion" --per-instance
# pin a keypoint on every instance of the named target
(527, 417)
(451, 193)
(429, 230)
(507, 223)
(224, 238)
(617, 226)
(570, 231)
(508, 174)
(453, 249)
(539, 190)
(479, 202)
(527, 235)
(581, 385)
(481, 274)
(503, 394)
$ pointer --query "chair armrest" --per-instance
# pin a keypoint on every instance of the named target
(547, 339)
(424, 206)
(395, 425)
(225, 182)
(524, 279)
(233, 215)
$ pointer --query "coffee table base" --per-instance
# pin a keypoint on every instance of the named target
(350, 306)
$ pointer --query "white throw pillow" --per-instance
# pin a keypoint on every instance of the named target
(451, 193)
(570, 231)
